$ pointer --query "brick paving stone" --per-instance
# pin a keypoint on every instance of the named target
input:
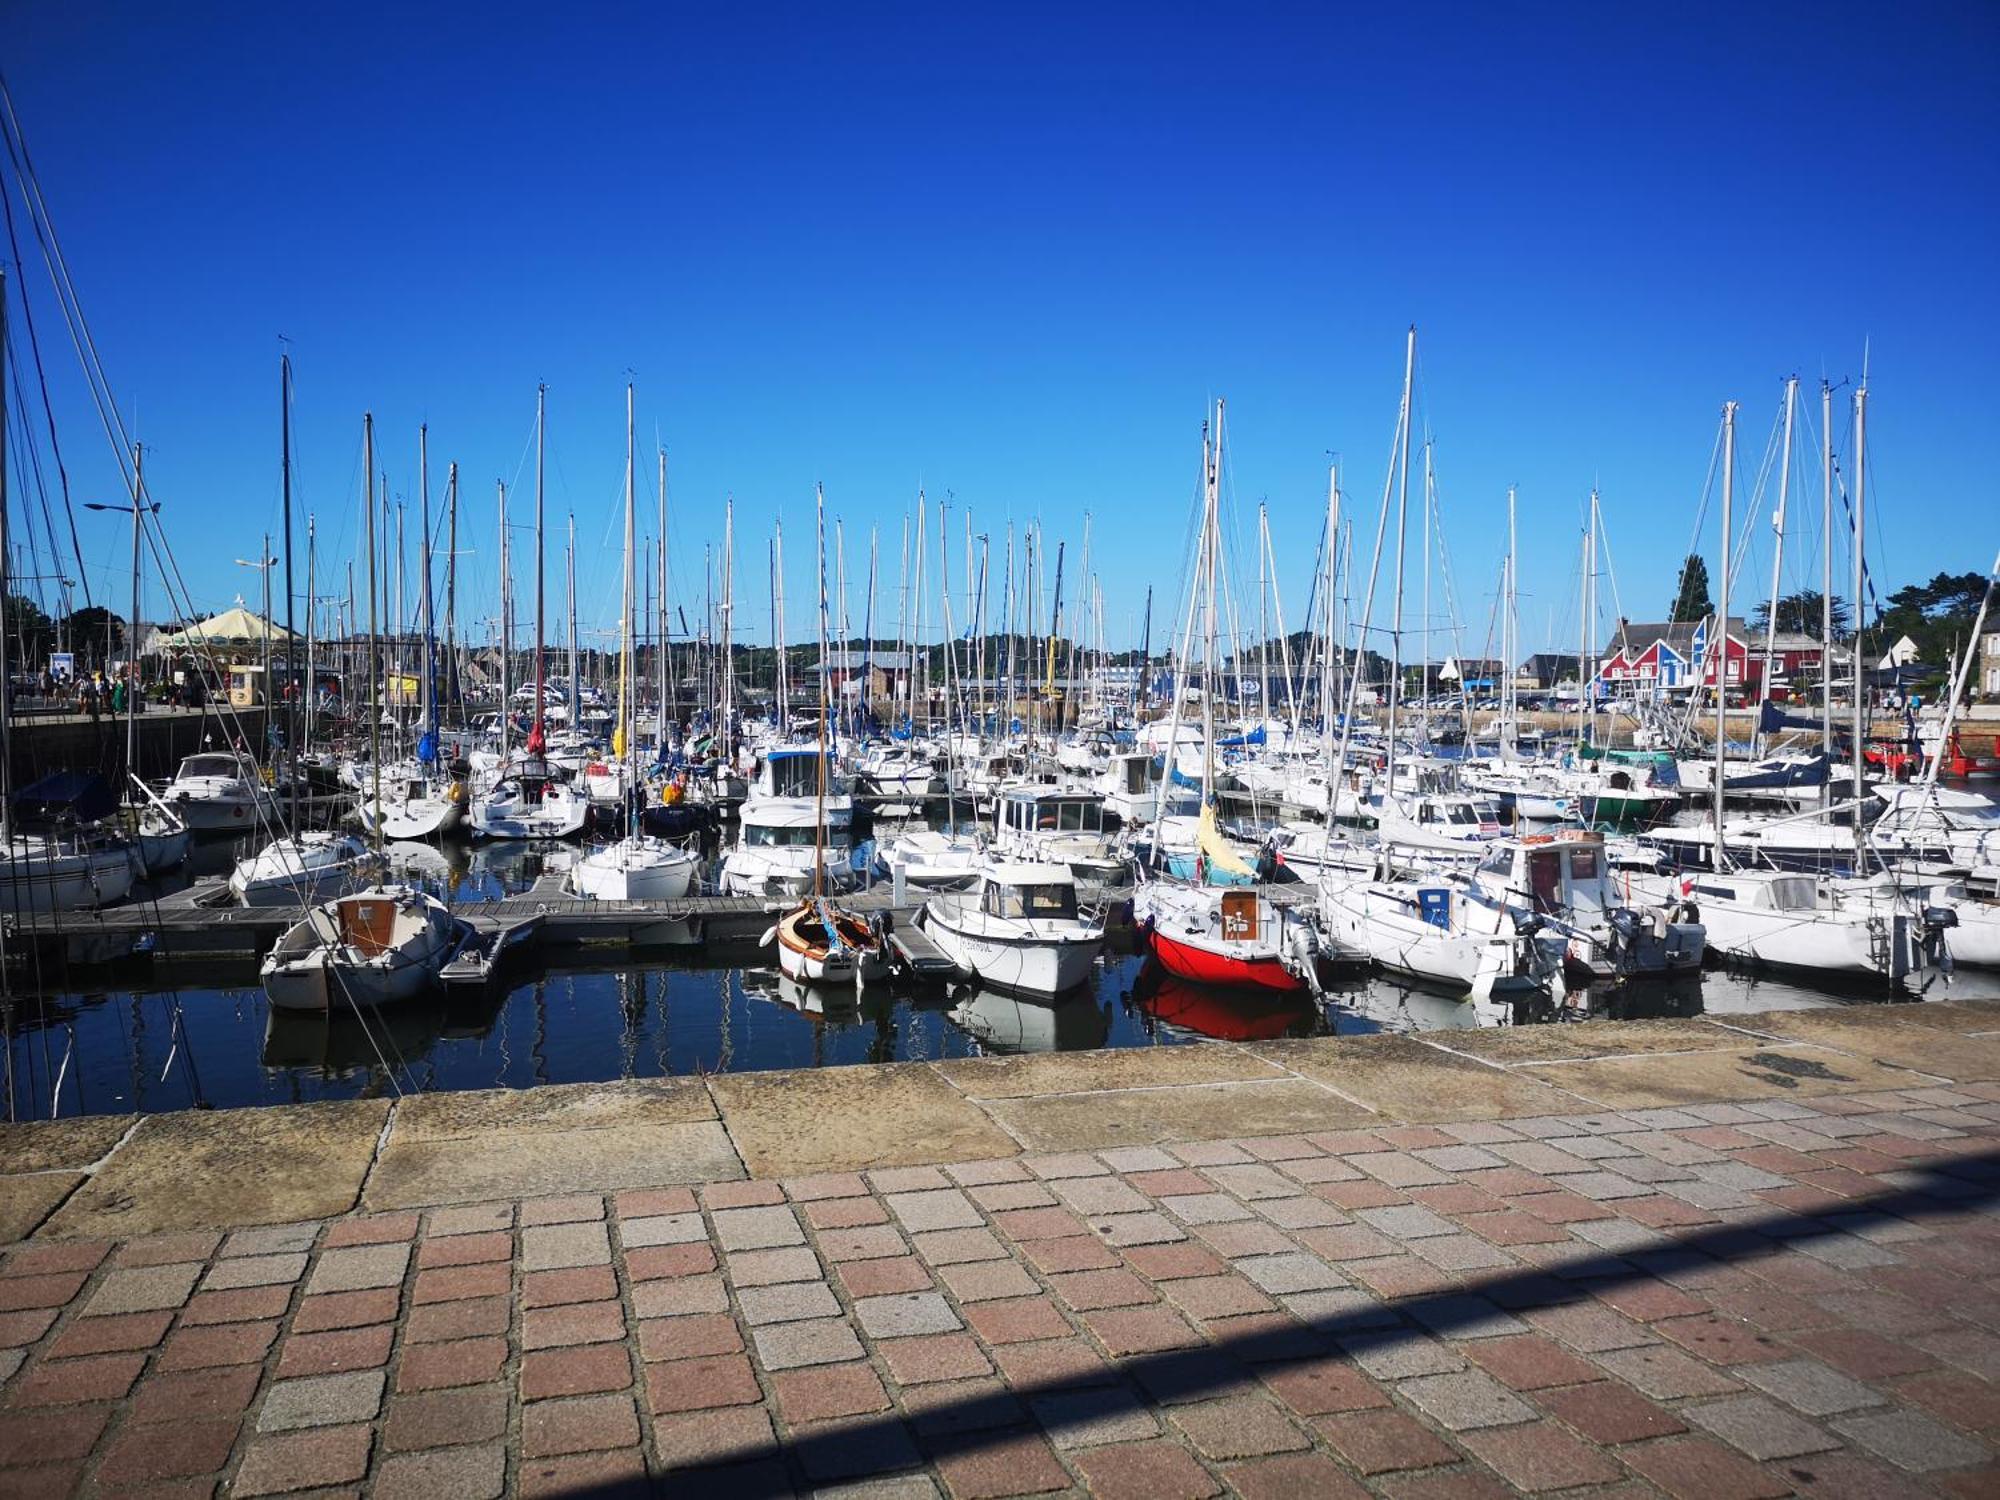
(662, 1229)
(1593, 1330)
(1051, 1166)
(788, 1303)
(1665, 1374)
(1864, 1355)
(867, 1242)
(982, 1281)
(943, 1356)
(475, 1218)
(688, 1337)
(1130, 1160)
(1910, 1440)
(342, 1310)
(1100, 1195)
(1209, 1153)
(572, 1323)
(1345, 1309)
(1808, 1386)
(441, 1419)
(757, 1228)
(1314, 1387)
(1170, 1262)
(770, 1267)
(450, 1474)
(1205, 1208)
(677, 1298)
(845, 1213)
(110, 1335)
(741, 1194)
(1073, 1253)
(321, 1401)
(572, 1208)
(444, 1322)
(1090, 1415)
(553, 1247)
(1761, 1428)
(54, 1256)
(1401, 1276)
(359, 1268)
(168, 1249)
(1310, 1170)
(1399, 1353)
(785, 1346)
(1693, 1468)
(1251, 1181)
(906, 1179)
(1017, 1321)
(820, 1394)
(371, 1229)
(1963, 1400)
(961, 1406)
(1348, 1242)
(1465, 1317)
(1466, 1399)
(1039, 1223)
(254, 1270)
(333, 1353)
(905, 1313)
(1156, 1470)
(576, 1284)
(723, 1435)
(1302, 1212)
(1381, 1442)
(1250, 1427)
(140, 1289)
(465, 1249)
(194, 1396)
(1011, 1464)
(65, 1382)
(20, 1329)
(588, 1424)
(1540, 1456)
(645, 1203)
(1460, 1252)
(850, 1447)
(1292, 1476)
(983, 1173)
(1721, 1340)
(660, 1262)
(938, 1208)
(47, 1436)
(303, 1460)
(1609, 1413)
(1293, 1271)
(1005, 1197)
(1211, 1297)
(225, 1344)
(874, 1278)
(945, 1247)
(604, 1476)
(1083, 1290)
(584, 1371)
(430, 1367)
(696, 1384)
(1140, 1330)
(1529, 1362)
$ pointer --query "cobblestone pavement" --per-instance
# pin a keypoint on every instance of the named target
(1714, 1301)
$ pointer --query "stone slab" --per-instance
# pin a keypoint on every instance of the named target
(1523, 1044)
(47, 1145)
(1886, 1036)
(1966, 1016)
(852, 1119)
(26, 1201)
(199, 1169)
(1194, 1112)
(1407, 1079)
(539, 1160)
(1123, 1068)
(553, 1107)
(1787, 1070)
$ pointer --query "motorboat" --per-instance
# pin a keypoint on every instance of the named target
(1020, 927)
(1229, 937)
(372, 948)
(1043, 826)
(220, 791)
(1443, 930)
(1605, 926)
(635, 868)
(779, 843)
(1795, 921)
(933, 860)
(302, 868)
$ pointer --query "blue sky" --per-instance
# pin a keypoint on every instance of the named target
(1012, 256)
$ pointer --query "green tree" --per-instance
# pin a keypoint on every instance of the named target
(1800, 614)
(1691, 601)
(31, 633)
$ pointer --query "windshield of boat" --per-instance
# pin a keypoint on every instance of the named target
(1024, 901)
(1794, 893)
(1462, 812)
(1585, 892)
(762, 836)
(210, 765)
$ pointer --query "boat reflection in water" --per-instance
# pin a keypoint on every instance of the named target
(1236, 1013)
(1004, 1022)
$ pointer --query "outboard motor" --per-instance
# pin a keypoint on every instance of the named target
(1937, 921)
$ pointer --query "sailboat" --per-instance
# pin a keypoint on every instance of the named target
(817, 939)
(382, 944)
(637, 867)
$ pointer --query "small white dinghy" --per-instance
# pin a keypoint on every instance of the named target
(373, 948)
(308, 867)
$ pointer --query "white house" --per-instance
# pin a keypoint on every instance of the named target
(1899, 655)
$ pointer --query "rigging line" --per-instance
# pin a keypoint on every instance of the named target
(1701, 510)
(33, 460)
(42, 379)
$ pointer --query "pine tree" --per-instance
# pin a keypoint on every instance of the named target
(1692, 602)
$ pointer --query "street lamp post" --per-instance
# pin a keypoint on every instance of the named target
(137, 509)
(263, 563)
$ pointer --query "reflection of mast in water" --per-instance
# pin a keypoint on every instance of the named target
(538, 1049)
(660, 1050)
(138, 1053)
(725, 1048)
(630, 1010)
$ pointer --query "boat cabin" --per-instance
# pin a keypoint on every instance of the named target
(1554, 873)
(794, 772)
(1134, 773)
(1029, 893)
(216, 765)
(1023, 814)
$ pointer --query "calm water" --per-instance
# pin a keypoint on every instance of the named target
(213, 1040)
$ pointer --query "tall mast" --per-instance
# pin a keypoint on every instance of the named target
(819, 816)
(569, 567)
(506, 626)
(451, 586)
(132, 629)
(426, 688)
(291, 640)
(311, 689)
(1860, 582)
(783, 679)
(6, 739)
(374, 676)
(1826, 593)
(1210, 542)
(537, 737)
(1721, 638)
(626, 739)
(1512, 713)
(1402, 519)
(664, 664)
(1430, 499)
(1777, 555)
(728, 631)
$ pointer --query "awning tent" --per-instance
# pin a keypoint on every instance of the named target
(235, 628)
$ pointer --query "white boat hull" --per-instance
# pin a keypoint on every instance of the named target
(1040, 967)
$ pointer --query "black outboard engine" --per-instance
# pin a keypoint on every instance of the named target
(1938, 920)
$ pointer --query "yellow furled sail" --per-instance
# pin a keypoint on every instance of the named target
(1220, 853)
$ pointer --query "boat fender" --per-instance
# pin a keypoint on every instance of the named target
(770, 936)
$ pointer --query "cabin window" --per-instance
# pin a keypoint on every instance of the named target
(1499, 862)
(758, 836)
(1583, 864)
(1070, 817)
(1030, 901)
(1794, 893)
(210, 765)
(1545, 879)
(1461, 813)
(1715, 892)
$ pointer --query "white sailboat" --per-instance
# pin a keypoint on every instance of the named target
(1020, 928)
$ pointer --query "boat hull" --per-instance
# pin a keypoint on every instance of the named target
(1251, 970)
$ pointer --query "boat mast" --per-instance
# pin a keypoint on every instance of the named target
(291, 640)
(1510, 716)
(1826, 593)
(728, 629)
(569, 596)
(665, 663)
(1721, 657)
(537, 737)
(1860, 581)
(451, 586)
(819, 757)
(374, 676)
(1210, 541)
(506, 627)
(426, 687)
(1402, 522)
(132, 630)
(6, 704)
(310, 691)
(626, 740)
(1777, 555)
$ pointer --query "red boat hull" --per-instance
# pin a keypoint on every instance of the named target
(1204, 967)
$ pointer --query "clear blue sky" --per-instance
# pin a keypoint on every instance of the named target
(1014, 256)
